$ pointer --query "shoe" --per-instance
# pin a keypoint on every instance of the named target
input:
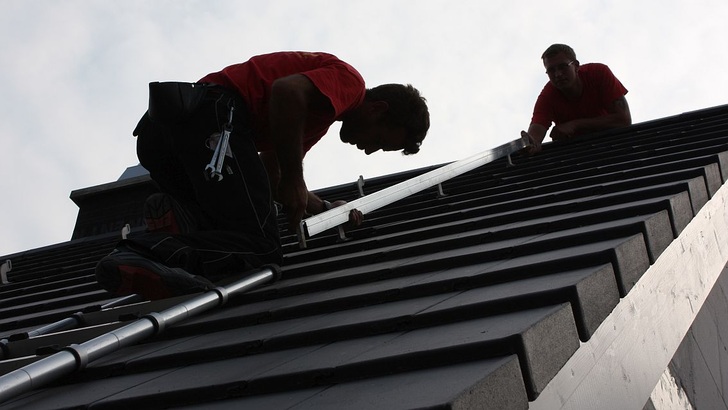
(162, 213)
(126, 273)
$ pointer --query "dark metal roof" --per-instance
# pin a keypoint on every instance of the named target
(473, 299)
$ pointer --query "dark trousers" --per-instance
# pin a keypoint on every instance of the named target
(236, 226)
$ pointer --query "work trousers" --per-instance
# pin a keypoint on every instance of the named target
(235, 218)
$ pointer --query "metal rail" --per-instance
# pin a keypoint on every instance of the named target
(77, 319)
(76, 357)
(340, 215)
(73, 321)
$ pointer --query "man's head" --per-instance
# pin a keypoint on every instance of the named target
(562, 67)
(559, 48)
(392, 117)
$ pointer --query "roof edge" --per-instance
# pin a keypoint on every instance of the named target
(691, 264)
(80, 194)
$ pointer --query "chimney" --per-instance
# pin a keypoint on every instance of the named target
(109, 207)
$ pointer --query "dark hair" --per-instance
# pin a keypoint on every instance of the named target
(559, 48)
(407, 108)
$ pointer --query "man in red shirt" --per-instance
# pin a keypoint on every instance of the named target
(261, 116)
(577, 99)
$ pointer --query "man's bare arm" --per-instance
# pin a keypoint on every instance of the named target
(292, 99)
(618, 116)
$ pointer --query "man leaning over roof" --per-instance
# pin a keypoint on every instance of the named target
(578, 99)
(204, 225)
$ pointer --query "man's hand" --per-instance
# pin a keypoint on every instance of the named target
(293, 195)
(565, 131)
(535, 146)
(355, 216)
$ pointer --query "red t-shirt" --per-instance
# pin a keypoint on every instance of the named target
(601, 88)
(337, 80)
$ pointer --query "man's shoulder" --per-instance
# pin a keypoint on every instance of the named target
(594, 68)
(596, 72)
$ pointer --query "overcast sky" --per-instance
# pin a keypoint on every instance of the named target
(75, 76)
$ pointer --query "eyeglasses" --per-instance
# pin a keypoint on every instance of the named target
(559, 67)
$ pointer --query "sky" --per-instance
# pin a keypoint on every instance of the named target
(76, 76)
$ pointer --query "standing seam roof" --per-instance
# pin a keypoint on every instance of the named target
(473, 299)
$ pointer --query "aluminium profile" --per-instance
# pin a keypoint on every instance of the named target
(340, 215)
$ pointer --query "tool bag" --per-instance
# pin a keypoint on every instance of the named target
(173, 102)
